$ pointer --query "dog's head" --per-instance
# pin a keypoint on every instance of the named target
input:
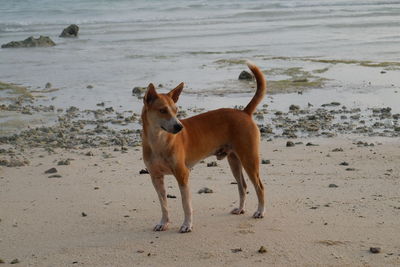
(161, 109)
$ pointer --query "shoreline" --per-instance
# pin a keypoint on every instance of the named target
(101, 210)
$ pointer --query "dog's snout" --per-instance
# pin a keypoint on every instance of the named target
(177, 128)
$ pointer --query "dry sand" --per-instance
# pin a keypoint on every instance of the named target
(307, 223)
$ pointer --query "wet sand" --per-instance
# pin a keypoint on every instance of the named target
(101, 211)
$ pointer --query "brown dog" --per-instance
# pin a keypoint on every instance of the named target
(172, 146)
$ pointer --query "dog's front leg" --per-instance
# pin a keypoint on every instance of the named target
(158, 182)
(182, 176)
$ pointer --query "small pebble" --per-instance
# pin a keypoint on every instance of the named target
(52, 170)
(262, 249)
(265, 161)
(55, 176)
(236, 250)
(14, 261)
(289, 144)
(333, 186)
(171, 196)
(344, 163)
(143, 171)
(375, 250)
(83, 214)
(212, 164)
(205, 190)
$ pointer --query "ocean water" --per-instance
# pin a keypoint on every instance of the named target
(125, 43)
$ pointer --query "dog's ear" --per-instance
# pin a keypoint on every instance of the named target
(174, 93)
(151, 94)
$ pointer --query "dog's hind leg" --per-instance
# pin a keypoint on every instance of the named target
(251, 165)
(158, 182)
(236, 168)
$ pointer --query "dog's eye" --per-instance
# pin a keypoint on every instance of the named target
(163, 111)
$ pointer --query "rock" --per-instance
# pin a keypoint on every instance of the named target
(1, 261)
(205, 190)
(64, 162)
(48, 85)
(265, 161)
(212, 164)
(236, 250)
(90, 153)
(375, 250)
(13, 162)
(311, 144)
(51, 170)
(71, 31)
(289, 144)
(170, 196)
(344, 163)
(332, 104)
(350, 169)
(55, 176)
(15, 261)
(294, 108)
(245, 75)
(89, 86)
(138, 91)
(83, 214)
(337, 149)
(143, 171)
(262, 249)
(333, 186)
(42, 41)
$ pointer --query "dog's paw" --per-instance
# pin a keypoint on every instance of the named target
(161, 227)
(258, 215)
(185, 229)
(237, 211)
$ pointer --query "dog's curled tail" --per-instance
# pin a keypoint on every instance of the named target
(261, 88)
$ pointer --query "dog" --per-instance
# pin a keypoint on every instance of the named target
(173, 146)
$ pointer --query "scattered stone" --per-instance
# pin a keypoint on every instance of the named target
(245, 75)
(83, 214)
(344, 163)
(51, 170)
(1, 261)
(262, 249)
(89, 86)
(64, 162)
(71, 31)
(294, 108)
(236, 250)
(138, 91)
(55, 176)
(350, 169)
(375, 250)
(96, 188)
(311, 144)
(143, 171)
(48, 85)
(14, 162)
(140, 251)
(42, 41)
(265, 161)
(337, 149)
(205, 190)
(289, 144)
(212, 164)
(171, 196)
(333, 186)
(15, 261)
(90, 154)
(332, 104)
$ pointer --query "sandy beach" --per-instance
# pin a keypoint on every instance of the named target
(99, 211)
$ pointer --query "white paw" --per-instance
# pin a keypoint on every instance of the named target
(258, 215)
(185, 228)
(237, 211)
(161, 227)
